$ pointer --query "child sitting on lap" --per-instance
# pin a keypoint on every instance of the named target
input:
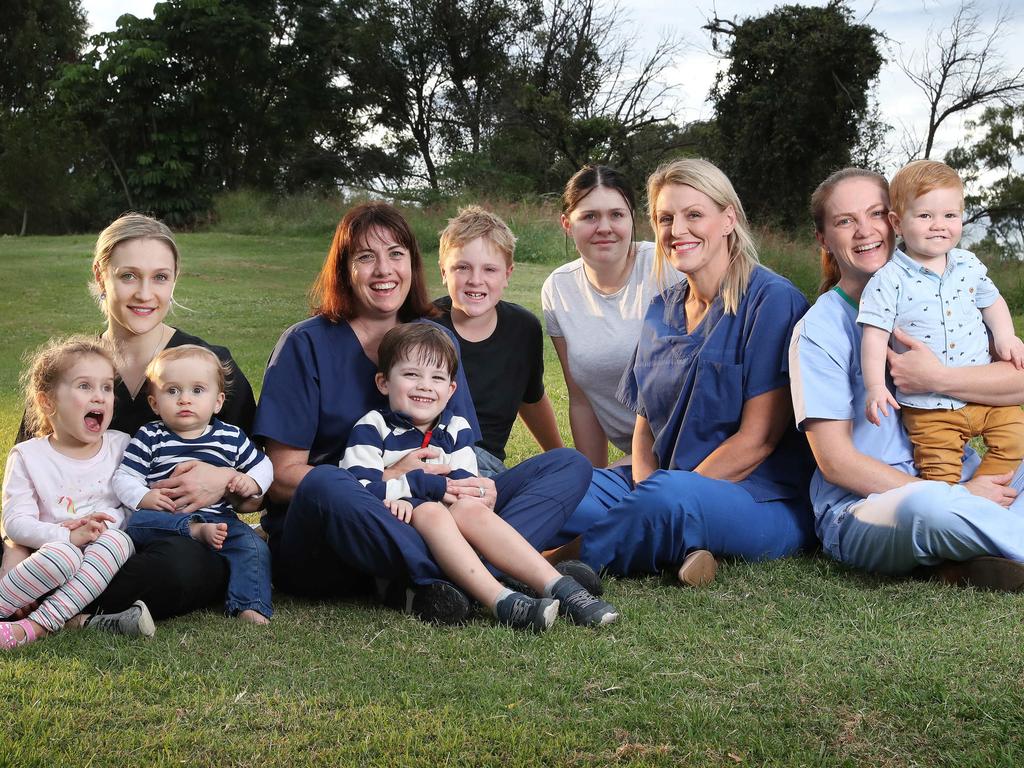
(58, 500)
(186, 386)
(940, 295)
(417, 363)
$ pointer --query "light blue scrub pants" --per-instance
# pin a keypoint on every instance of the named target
(672, 513)
(928, 522)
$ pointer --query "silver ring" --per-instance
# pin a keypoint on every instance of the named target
(481, 489)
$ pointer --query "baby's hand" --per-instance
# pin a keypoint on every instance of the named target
(400, 508)
(1010, 349)
(243, 485)
(157, 499)
(877, 399)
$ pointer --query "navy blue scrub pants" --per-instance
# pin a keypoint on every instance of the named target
(337, 536)
(672, 513)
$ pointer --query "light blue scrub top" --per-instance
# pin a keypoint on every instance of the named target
(827, 382)
(692, 386)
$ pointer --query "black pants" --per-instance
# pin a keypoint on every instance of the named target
(172, 576)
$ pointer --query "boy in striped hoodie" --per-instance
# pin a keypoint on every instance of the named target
(417, 363)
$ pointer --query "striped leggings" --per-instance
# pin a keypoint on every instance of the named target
(73, 576)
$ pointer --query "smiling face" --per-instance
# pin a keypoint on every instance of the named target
(185, 394)
(601, 226)
(80, 407)
(380, 272)
(418, 388)
(476, 275)
(932, 223)
(856, 230)
(138, 284)
(692, 230)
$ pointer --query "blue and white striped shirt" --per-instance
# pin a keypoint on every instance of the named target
(155, 451)
(383, 437)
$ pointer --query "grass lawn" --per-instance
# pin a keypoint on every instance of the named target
(799, 662)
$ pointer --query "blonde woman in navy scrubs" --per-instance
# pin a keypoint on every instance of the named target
(717, 466)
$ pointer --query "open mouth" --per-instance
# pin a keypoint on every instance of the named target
(421, 400)
(94, 421)
(143, 311)
(682, 247)
(475, 295)
(384, 287)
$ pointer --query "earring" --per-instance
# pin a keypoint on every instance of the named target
(103, 295)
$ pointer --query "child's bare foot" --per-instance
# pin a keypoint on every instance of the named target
(211, 534)
(253, 617)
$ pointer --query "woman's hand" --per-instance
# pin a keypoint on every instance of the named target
(995, 488)
(917, 370)
(477, 488)
(416, 460)
(194, 485)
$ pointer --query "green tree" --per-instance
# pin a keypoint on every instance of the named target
(37, 147)
(991, 171)
(791, 104)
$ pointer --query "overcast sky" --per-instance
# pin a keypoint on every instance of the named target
(905, 22)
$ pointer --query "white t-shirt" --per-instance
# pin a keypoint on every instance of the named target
(601, 332)
(44, 488)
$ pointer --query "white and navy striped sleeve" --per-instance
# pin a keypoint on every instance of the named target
(129, 481)
(463, 459)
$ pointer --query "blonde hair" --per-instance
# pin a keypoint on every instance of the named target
(474, 222)
(707, 178)
(819, 199)
(44, 370)
(127, 226)
(919, 178)
(194, 352)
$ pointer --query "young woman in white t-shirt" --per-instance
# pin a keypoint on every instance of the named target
(594, 306)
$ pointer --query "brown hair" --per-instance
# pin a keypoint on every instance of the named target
(331, 295)
(474, 222)
(919, 178)
(127, 226)
(708, 178)
(421, 341)
(196, 352)
(819, 199)
(44, 370)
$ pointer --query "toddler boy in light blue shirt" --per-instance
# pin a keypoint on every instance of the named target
(942, 296)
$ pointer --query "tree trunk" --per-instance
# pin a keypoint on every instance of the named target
(24, 221)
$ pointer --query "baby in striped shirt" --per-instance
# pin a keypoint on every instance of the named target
(186, 389)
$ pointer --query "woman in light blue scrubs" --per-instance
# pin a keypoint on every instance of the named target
(717, 466)
(870, 509)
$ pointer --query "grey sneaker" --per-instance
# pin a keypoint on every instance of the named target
(135, 621)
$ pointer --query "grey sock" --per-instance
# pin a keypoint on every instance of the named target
(505, 592)
(549, 588)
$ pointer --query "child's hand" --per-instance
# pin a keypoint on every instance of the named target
(243, 485)
(877, 399)
(157, 499)
(87, 534)
(1010, 349)
(400, 508)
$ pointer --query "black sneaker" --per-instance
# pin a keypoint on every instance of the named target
(439, 602)
(577, 569)
(521, 612)
(581, 607)
(135, 621)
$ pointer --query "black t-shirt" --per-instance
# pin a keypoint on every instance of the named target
(504, 370)
(131, 413)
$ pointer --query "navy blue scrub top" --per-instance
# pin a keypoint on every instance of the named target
(319, 383)
(692, 386)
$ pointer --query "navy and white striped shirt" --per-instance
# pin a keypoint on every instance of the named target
(382, 437)
(155, 451)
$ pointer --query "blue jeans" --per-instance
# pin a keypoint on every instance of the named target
(247, 554)
(673, 512)
(336, 536)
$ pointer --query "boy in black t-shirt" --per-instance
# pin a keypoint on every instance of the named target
(501, 343)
